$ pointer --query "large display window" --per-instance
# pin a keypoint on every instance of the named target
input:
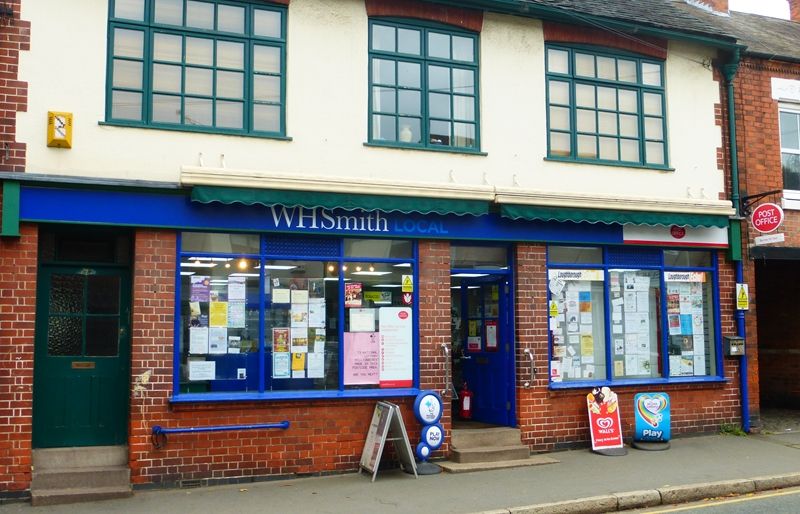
(271, 317)
(632, 314)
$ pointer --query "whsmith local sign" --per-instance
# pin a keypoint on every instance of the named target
(767, 217)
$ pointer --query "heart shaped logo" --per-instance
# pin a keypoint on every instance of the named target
(649, 408)
(605, 422)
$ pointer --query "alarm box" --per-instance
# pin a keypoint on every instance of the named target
(734, 346)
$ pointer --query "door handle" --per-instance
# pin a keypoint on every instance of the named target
(447, 372)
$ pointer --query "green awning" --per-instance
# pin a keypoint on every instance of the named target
(311, 199)
(533, 212)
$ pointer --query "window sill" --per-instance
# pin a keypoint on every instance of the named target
(212, 132)
(791, 200)
(588, 384)
(445, 149)
(610, 163)
(291, 395)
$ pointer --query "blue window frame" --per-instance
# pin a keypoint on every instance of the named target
(605, 107)
(423, 86)
(271, 317)
(209, 66)
(622, 315)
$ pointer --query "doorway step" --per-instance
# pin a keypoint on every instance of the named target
(70, 475)
(478, 449)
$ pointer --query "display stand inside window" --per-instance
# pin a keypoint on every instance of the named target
(689, 316)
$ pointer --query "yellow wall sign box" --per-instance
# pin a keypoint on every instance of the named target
(742, 297)
(59, 129)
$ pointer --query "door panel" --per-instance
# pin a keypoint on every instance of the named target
(82, 355)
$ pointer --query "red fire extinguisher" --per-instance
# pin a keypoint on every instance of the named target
(466, 402)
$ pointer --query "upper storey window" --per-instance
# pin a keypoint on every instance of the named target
(423, 86)
(790, 148)
(197, 65)
(605, 107)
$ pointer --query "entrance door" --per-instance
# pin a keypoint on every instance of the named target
(483, 347)
(82, 354)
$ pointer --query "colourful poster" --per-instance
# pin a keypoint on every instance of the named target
(201, 288)
(280, 340)
(352, 294)
(299, 340)
(604, 422)
(361, 358)
(218, 314)
(396, 347)
(651, 411)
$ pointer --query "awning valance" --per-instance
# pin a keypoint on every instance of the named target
(311, 199)
(533, 212)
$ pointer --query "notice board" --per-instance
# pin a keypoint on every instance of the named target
(387, 425)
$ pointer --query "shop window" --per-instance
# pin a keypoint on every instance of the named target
(208, 66)
(605, 107)
(423, 86)
(287, 321)
(478, 257)
(633, 315)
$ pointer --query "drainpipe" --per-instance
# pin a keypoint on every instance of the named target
(729, 71)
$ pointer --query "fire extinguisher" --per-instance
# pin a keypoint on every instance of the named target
(466, 402)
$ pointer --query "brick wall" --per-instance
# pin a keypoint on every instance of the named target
(15, 36)
(557, 419)
(324, 436)
(17, 314)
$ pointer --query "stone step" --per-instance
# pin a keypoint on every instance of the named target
(490, 454)
(79, 457)
(102, 476)
(478, 438)
(80, 494)
(459, 467)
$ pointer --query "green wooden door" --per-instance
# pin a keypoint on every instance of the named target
(82, 357)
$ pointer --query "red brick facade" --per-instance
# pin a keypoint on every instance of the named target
(15, 36)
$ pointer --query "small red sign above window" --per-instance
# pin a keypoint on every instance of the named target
(767, 217)
(677, 232)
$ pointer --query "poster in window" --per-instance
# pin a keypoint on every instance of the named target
(201, 288)
(299, 296)
(299, 340)
(316, 365)
(474, 344)
(202, 370)
(218, 314)
(198, 340)
(236, 314)
(491, 336)
(217, 340)
(352, 294)
(234, 344)
(280, 340)
(299, 315)
(316, 312)
(237, 287)
(280, 295)
(281, 365)
(362, 320)
(396, 346)
(361, 358)
(298, 365)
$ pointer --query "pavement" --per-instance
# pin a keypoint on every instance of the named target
(580, 482)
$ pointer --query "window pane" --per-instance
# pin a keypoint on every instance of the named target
(66, 294)
(439, 79)
(102, 336)
(230, 84)
(199, 51)
(383, 72)
(127, 74)
(652, 104)
(200, 15)
(464, 108)
(230, 55)
(230, 115)
(654, 128)
(199, 81)
(464, 135)
(790, 162)
(585, 121)
(266, 59)
(410, 102)
(655, 152)
(129, 9)
(383, 127)
(690, 318)
(626, 70)
(463, 81)
(169, 12)
(438, 45)
(126, 105)
(440, 133)
(439, 105)
(463, 49)
(213, 242)
(167, 48)
(410, 130)
(607, 123)
(383, 38)
(266, 118)
(587, 147)
(266, 23)
(166, 78)
(574, 255)
(166, 109)
(560, 144)
(629, 150)
(628, 101)
(559, 92)
(128, 43)
(383, 99)
(789, 134)
(584, 65)
(628, 125)
(607, 98)
(478, 257)
(199, 112)
(687, 259)
(408, 74)
(559, 118)
(379, 248)
(579, 342)
(230, 19)
(267, 88)
(64, 336)
(408, 41)
(606, 68)
(584, 95)
(557, 61)
(637, 352)
(651, 74)
(609, 149)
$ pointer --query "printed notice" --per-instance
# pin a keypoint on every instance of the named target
(217, 340)
(361, 358)
(198, 340)
(236, 314)
(202, 370)
(218, 314)
(316, 312)
(299, 340)
(280, 295)
(396, 342)
(362, 320)
(201, 288)
(237, 287)
(316, 365)
(280, 365)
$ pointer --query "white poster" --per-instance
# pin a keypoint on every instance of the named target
(198, 340)
(202, 370)
(316, 312)
(362, 320)
(316, 365)
(237, 287)
(280, 365)
(217, 340)
(396, 363)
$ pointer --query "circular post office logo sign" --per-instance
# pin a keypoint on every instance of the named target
(767, 217)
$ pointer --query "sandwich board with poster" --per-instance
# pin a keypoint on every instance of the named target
(387, 425)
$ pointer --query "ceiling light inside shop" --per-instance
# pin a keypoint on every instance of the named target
(279, 267)
(470, 275)
(242, 264)
(372, 273)
(468, 287)
(198, 264)
(213, 259)
(387, 285)
(187, 273)
(244, 275)
(402, 265)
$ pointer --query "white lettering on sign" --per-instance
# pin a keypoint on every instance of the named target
(321, 218)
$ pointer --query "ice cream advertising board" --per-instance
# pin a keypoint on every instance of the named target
(604, 423)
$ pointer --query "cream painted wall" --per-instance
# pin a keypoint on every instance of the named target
(327, 113)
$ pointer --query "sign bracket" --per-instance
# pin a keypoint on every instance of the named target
(748, 201)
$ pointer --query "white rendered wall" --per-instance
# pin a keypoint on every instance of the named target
(327, 113)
